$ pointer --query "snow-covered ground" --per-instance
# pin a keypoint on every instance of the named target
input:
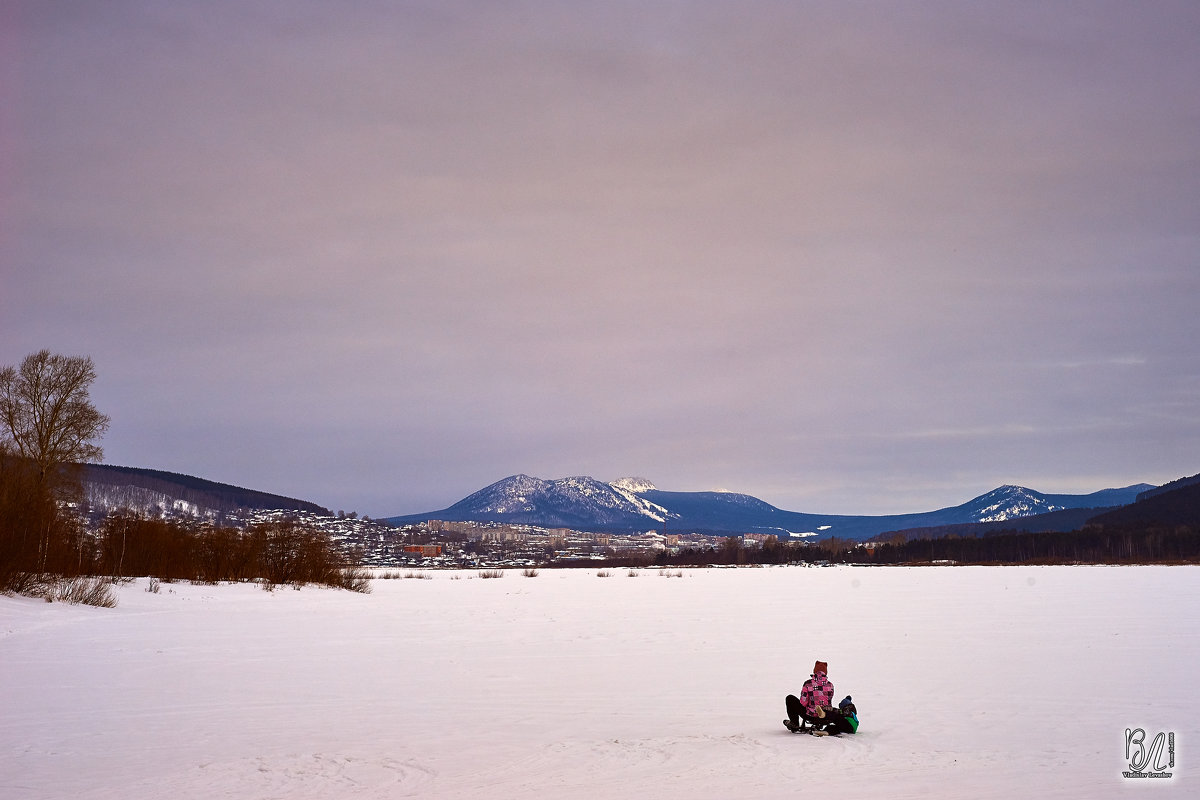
(970, 682)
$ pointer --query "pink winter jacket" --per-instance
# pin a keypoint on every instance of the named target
(817, 691)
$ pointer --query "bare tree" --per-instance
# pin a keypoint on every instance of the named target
(46, 414)
(47, 425)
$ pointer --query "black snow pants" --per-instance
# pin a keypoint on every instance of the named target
(796, 712)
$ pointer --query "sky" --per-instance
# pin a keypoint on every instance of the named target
(847, 257)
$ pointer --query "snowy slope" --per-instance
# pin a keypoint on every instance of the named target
(1006, 682)
(633, 485)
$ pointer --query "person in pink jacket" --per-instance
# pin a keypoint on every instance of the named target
(815, 697)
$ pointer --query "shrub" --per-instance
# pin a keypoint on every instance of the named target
(91, 592)
(604, 574)
(86, 591)
(356, 579)
(491, 573)
(16, 582)
(530, 572)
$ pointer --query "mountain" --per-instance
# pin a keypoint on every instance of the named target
(109, 487)
(579, 502)
(1015, 502)
(585, 503)
(733, 512)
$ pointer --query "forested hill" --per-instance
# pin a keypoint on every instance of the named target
(1169, 487)
(1176, 506)
(112, 482)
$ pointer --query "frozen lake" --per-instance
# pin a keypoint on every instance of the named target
(970, 682)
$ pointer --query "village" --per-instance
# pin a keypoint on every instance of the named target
(446, 544)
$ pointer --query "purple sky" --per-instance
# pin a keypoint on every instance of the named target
(846, 257)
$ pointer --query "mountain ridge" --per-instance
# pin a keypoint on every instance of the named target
(585, 503)
(629, 504)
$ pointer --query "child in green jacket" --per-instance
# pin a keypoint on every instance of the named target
(844, 720)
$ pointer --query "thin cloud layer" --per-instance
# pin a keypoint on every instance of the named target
(846, 258)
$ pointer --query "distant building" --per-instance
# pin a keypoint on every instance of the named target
(443, 526)
(424, 550)
(503, 533)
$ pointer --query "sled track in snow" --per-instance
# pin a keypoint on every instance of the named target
(311, 775)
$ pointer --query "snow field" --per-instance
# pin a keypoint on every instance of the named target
(971, 682)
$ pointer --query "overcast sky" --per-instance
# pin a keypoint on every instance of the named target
(846, 257)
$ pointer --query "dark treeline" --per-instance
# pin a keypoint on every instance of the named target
(1134, 544)
(731, 552)
(279, 552)
(36, 536)
(1110, 544)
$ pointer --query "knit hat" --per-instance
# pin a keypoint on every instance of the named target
(845, 702)
(820, 666)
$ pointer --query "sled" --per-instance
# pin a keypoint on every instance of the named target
(810, 731)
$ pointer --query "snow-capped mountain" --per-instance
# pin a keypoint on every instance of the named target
(635, 503)
(567, 502)
(1008, 502)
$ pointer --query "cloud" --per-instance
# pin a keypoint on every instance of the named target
(411, 248)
